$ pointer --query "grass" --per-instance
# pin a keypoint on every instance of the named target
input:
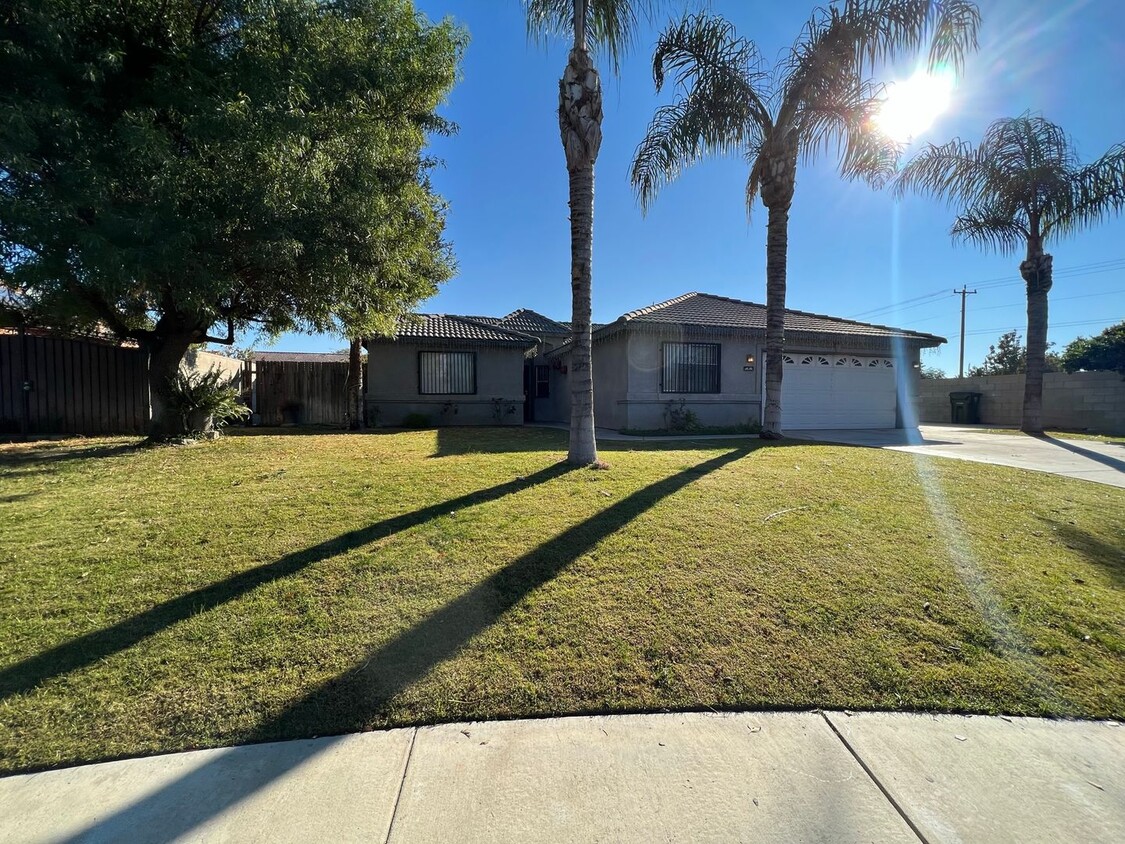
(1055, 432)
(274, 586)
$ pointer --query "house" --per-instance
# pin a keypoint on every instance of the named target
(697, 352)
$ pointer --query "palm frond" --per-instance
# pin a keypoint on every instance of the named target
(955, 171)
(680, 135)
(844, 121)
(718, 109)
(754, 179)
(850, 41)
(611, 25)
(1096, 192)
(990, 228)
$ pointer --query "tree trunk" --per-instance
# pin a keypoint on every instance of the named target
(1038, 275)
(164, 357)
(354, 387)
(580, 118)
(777, 245)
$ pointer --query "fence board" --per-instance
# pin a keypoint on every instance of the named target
(79, 386)
(298, 393)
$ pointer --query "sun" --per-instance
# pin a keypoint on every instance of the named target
(912, 105)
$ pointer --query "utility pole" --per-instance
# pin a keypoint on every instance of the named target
(962, 293)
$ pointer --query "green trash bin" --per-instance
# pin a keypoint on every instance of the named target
(964, 408)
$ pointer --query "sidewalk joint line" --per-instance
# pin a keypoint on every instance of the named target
(401, 785)
(901, 812)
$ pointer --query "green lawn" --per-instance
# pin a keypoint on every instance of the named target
(274, 586)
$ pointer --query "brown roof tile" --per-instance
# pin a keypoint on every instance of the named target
(451, 327)
(301, 357)
(530, 322)
(712, 311)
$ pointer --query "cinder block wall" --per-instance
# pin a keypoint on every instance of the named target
(1078, 400)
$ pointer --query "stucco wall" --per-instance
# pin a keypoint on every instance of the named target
(643, 406)
(392, 387)
(1078, 401)
(198, 360)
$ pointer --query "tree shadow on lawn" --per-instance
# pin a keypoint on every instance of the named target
(92, 647)
(1105, 555)
(1075, 447)
(26, 460)
(350, 701)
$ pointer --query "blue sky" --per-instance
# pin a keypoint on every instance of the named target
(852, 251)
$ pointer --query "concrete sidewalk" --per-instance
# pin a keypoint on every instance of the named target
(784, 777)
(1085, 460)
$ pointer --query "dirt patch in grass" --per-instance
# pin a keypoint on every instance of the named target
(266, 587)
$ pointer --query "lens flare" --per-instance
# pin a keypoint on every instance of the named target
(912, 105)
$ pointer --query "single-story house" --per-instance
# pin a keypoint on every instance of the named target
(697, 352)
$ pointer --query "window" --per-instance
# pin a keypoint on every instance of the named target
(542, 382)
(447, 373)
(691, 368)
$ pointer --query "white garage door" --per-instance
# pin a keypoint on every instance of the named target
(837, 391)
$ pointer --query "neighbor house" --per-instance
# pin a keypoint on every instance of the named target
(698, 352)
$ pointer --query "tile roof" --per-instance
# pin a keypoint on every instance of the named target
(530, 322)
(713, 311)
(301, 357)
(452, 327)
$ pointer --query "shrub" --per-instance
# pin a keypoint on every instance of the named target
(681, 418)
(206, 400)
(416, 420)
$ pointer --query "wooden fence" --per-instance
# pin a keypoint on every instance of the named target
(63, 385)
(296, 393)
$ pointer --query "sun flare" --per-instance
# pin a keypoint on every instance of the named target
(912, 105)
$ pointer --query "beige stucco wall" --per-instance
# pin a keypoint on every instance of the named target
(643, 406)
(200, 361)
(392, 387)
(1077, 401)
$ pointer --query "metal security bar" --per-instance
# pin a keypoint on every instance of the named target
(447, 373)
(691, 368)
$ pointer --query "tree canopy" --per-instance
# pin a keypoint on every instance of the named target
(1105, 351)
(169, 167)
(1008, 356)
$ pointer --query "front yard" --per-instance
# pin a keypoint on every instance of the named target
(276, 586)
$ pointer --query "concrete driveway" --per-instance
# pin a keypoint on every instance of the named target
(1086, 460)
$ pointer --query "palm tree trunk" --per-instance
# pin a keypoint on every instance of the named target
(354, 385)
(777, 245)
(1038, 275)
(580, 119)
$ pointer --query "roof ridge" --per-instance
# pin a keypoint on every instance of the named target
(520, 334)
(532, 312)
(656, 306)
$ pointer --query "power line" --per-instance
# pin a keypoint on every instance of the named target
(1014, 305)
(1077, 271)
(1005, 328)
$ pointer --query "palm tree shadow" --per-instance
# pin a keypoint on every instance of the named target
(1100, 552)
(92, 647)
(1090, 454)
(351, 701)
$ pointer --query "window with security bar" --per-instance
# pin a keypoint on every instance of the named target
(447, 373)
(690, 368)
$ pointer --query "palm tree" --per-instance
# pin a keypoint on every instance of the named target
(610, 25)
(817, 98)
(1021, 185)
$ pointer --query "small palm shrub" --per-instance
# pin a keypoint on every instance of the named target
(206, 400)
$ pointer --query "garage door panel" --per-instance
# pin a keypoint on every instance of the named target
(830, 391)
